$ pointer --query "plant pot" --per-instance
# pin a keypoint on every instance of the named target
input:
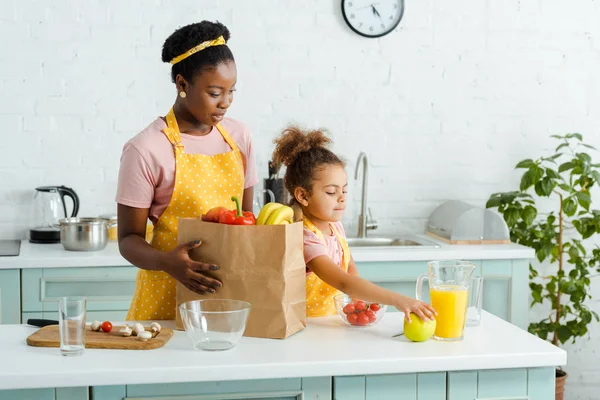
(561, 377)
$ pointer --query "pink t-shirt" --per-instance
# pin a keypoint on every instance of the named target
(147, 172)
(314, 247)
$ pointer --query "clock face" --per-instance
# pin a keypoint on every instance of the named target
(372, 18)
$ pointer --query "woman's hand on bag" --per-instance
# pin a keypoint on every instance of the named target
(192, 274)
(409, 305)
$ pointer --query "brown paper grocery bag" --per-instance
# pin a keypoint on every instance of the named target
(261, 264)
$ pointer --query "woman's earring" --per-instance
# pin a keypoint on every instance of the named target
(182, 94)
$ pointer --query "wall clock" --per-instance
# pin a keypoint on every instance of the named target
(372, 18)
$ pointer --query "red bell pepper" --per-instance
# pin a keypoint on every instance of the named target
(214, 214)
(236, 217)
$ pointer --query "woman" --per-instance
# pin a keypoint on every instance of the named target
(182, 165)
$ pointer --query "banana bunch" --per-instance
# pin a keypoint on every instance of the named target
(275, 214)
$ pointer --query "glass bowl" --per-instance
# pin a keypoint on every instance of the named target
(214, 324)
(357, 312)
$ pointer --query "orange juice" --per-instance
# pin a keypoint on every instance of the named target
(450, 302)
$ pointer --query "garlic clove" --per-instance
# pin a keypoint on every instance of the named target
(145, 335)
(96, 325)
(126, 331)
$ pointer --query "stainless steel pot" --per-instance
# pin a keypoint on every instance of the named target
(84, 234)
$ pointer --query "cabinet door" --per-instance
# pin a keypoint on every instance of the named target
(27, 394)
(513, 384)
(70, 393)
(425, 386)
(10, 296)
(262, 389)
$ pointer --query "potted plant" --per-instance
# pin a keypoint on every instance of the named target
(558, 236)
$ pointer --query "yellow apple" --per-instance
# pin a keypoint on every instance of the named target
(418, 330)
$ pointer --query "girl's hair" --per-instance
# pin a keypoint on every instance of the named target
(303, 153)
(183, 39)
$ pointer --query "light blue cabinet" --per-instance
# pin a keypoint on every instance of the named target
(273, 389)
(74, 393)
(505, 289)
(425, 386)
(10, 296)
(513, 384)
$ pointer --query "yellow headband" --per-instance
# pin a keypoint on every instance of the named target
(217, 42)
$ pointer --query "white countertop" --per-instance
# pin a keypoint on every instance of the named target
(55, 256)
(443, 252)
(325, 348)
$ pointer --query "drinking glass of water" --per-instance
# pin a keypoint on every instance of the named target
(71, 324)
(475, 301)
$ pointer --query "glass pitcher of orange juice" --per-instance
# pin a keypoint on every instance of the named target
(449, 291)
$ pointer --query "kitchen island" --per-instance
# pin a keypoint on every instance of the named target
(328, 360)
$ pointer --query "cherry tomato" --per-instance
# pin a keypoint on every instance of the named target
(106, 326)
(349, 309)
(353, 319)
(363, 319)
(360, 306)
(371, 315)
(374, 307)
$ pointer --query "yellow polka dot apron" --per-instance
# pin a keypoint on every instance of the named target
(319, 295)
(201, 183)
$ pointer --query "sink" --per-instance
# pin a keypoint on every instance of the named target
(390, 242)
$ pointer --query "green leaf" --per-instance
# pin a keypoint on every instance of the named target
(589, 146)
(545, 187)
(494, 201)
(564, 333)
(525, 163)
(550, 173)
(584, 157)
(575, 135)
(525, 181)
(531, 177)
(584, 199)
(566, 166)
(569, 206)
(596, 176)
(560, 146)
(511, 216)
(565, 187)
(528, 215)
(574, 252)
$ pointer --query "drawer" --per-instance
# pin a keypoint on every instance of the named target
(106, 288)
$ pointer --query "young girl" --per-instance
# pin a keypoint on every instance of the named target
(316, 179)
(182, 165)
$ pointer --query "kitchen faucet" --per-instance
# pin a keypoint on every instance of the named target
(364, 222)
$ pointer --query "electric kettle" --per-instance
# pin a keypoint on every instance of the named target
(47, 209)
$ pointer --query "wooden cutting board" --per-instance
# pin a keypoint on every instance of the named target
(48, 336)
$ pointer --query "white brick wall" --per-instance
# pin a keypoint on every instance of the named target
(444, 106)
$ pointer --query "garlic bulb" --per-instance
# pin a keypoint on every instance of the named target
(96, 326)
(145, 335)
(126, 331)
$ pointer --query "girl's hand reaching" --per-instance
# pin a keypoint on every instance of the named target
(409, 305)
